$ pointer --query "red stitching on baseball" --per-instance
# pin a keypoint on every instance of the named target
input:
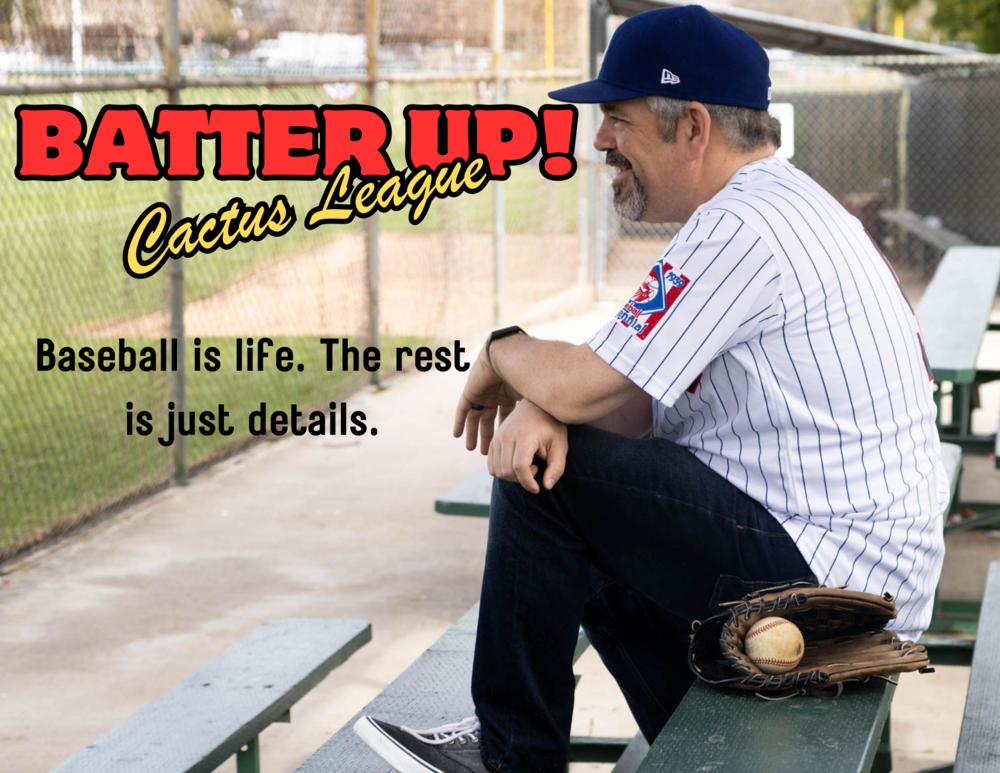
(768, 626)
(775, 662)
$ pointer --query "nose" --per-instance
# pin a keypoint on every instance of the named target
(604, 139)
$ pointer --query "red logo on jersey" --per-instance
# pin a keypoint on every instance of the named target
(654, 298)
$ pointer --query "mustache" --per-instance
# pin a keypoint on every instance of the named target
(615, 159)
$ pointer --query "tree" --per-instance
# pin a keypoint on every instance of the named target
(975, 20)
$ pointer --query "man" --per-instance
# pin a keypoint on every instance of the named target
(778, 367)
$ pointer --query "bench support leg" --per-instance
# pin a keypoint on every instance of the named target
(964, 409)
(983, 514)
(883, 755)
(959, 429)
(595, 749)
(248, 758)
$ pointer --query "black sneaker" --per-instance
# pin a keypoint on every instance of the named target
(447, 749)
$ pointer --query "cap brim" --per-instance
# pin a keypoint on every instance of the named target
(593, 92)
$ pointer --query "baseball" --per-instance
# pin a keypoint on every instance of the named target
(774, 645)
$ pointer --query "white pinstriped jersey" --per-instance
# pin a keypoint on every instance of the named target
(779, 349)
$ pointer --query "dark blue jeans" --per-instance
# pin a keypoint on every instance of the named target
(638, 539)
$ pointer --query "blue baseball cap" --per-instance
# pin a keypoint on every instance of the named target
(683, 52)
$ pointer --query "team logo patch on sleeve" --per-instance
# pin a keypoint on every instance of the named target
(654, 298)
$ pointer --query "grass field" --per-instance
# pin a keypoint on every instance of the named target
(62, 435)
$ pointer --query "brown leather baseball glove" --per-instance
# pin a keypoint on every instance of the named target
(844, 633)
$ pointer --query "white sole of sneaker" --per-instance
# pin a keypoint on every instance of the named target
(391, 752)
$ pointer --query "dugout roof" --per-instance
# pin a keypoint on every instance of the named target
(773, 31)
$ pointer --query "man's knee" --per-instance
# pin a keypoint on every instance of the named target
(506, 495)
(511, 494)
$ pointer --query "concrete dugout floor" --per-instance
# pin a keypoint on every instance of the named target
(93, 629)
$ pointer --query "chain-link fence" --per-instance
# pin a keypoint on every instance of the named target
(65, 454)
(908, 144)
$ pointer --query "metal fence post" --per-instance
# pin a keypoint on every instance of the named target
(17, 22)
(175, 268)
(902, 156)
(598, 234)
(585, 159)
(498, 192)
(372, 223)
(76, 14)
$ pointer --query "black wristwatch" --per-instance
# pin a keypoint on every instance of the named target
(496, 335)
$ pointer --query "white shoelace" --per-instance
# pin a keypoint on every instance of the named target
(468, 728)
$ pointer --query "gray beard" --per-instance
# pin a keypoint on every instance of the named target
(632, 205)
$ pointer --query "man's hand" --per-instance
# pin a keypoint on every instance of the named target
(569, 382)
(485, 396)
(528, 431)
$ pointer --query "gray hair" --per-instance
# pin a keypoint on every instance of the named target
(743, 128)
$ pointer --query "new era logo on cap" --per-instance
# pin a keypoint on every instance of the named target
(669, 77)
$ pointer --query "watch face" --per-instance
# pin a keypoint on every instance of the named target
(505, 331)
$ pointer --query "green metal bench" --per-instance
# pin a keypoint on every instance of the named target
(721, 730)
(221, 709)
(979, 741)
(469, 497)
(914, 234)
(954, 316)
(957, 616)
(953, 616)
(433, 691)
(713, 729)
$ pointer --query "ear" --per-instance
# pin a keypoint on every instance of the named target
(697, 130)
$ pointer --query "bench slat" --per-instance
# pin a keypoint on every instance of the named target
(979, 741)
(941, 238)
(470, 497)
(433, 691)
(209, 716)
(949, 649)
(633, 756)
(727, 730)
(955, 309)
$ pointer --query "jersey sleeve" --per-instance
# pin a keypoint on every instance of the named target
(716, 275)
